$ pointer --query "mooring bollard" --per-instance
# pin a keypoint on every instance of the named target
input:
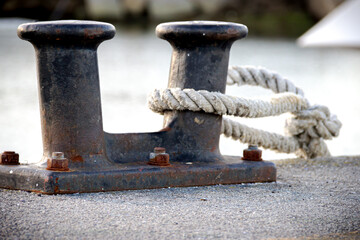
(200, 61)
(87, 159)
(70, 105)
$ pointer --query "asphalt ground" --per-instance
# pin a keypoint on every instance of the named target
(312, 199)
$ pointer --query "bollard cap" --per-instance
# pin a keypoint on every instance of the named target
(201, 30)
(66, 30)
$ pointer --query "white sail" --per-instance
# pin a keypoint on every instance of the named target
(340, 28)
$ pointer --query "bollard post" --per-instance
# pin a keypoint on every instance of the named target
(69, 91)
(199, 60)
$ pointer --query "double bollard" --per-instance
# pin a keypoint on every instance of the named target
(71, 118)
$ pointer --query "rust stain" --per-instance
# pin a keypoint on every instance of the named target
(253, 153)
(92, 33)
(77, 159)
(94, 154)
(159, 157)
(9, 158)
(61, 164)
(160, 160)
(166, 129)
(232, 31)
(56, 189)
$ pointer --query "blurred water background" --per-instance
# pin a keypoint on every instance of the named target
(135, 62)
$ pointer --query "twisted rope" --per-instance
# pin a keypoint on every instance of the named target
(221, 104)
(258, 76)
(306, 129)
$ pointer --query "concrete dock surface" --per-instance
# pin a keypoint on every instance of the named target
(312, 199)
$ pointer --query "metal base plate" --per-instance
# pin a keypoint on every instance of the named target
(135, 176)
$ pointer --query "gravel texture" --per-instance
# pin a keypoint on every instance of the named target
(311, 199)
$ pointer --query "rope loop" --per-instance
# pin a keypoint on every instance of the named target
(305, 130)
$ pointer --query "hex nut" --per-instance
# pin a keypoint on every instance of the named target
(252, 153)
(9, 158)
(57, 162)
(159, 157)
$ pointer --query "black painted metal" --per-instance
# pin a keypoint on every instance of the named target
(69, 89)
(72, 121)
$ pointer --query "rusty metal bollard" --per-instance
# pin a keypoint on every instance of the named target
(71, 117)
(68, 81)
(199, 60)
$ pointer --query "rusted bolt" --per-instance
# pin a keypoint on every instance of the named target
(9, 158)
(57, 162)
(252, 153)
(159, 157)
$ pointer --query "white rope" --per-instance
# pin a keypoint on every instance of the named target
(221, 104)
(306, 129)
(253, 136)
(258, 76)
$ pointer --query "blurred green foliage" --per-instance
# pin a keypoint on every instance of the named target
(286, 24)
